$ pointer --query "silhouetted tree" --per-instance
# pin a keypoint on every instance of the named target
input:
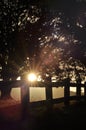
(46, 33)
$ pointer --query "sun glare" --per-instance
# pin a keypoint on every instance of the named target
(32, 77)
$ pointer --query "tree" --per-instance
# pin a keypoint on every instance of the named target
(49, 37)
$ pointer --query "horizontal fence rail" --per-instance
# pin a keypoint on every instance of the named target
(19, 83)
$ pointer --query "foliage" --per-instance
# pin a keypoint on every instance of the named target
(36, 36)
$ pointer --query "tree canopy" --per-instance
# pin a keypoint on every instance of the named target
(45, 36)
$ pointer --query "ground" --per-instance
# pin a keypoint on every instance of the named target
(42, 118)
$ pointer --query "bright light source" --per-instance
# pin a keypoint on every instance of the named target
(32, 77)
(18, 78)
(39, 78)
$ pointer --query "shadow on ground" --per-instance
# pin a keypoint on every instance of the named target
(40, 118)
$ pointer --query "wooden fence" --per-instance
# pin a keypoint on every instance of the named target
(25, 93)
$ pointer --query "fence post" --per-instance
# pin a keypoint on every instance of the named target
(48, 92)
(85, 91)
(67, 91)
(78, 89)
(6, 90)
(25, 100)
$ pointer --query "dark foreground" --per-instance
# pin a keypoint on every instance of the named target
(40, 118)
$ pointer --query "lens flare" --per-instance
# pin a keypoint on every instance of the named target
(32, 77)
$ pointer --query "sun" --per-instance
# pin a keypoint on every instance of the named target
(32, 77)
